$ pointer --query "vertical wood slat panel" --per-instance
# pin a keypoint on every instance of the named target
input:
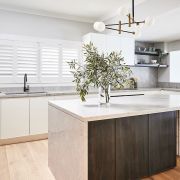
(101, 150)
(162, 141)
(178, 131)
(132, 147)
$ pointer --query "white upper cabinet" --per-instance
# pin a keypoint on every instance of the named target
(172, 73)
(113, 43)
(109, 43)
(174, 66)
(99, 40)
(128, 49)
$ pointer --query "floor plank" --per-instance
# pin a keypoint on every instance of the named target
(4, 171)
(29, 161)
(25, 161)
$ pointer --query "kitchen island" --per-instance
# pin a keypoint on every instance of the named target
(131, 138)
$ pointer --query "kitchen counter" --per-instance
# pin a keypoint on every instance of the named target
(119, 106)
(70, 92)
(50, 93)
(131, 138)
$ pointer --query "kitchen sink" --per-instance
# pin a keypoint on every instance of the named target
(21, 93)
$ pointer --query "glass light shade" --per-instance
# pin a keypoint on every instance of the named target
(150, 21)
(99, 26)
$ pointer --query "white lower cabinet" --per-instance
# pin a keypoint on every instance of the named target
(14, 116)
(39, 115)
(26, 116)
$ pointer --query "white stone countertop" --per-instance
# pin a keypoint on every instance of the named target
(3, 95)
(119, 106)
(62, 93)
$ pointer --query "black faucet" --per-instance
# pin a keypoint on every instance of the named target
(26, 87)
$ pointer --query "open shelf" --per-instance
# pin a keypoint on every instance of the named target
(152, 65)
(149, 53)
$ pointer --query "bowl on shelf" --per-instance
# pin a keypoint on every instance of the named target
(153, 61)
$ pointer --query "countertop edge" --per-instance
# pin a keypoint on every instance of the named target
(114, 116)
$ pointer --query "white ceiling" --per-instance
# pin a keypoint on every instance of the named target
(167, 18)
(81, 10)
(166, 12)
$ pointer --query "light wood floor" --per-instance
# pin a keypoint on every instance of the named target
(173, 174)
(25, 161)
(29, 161)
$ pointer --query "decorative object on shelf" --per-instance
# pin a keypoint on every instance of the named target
(100, 71)
(153, 61)
(132, 23)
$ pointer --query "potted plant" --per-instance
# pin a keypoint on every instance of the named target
(101, 71)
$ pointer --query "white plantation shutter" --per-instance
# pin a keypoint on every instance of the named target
(27, 60)
(50, 57)
(43, 61)
(68, 54)
(70, 51)
(6, 61)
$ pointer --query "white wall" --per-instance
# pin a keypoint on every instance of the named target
(173, 46)
(39, 26)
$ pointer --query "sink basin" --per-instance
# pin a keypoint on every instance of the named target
(20, 93)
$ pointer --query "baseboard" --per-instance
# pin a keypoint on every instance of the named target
(23, 139)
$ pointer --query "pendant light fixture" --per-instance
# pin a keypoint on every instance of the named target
(100, 26)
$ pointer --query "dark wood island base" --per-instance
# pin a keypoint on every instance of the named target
(131, 148)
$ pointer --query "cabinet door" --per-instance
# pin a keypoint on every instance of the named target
(162, 142)
(101, 150)
(125, 45)
(14, 118)
(99, 41)
(39, 115)
(128, 49)
(132, 147)
(113, 43)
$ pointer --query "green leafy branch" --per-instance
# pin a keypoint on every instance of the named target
(99, 70)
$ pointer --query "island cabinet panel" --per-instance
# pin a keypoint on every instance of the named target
(101, 150)
(132, 148)
(162, 141)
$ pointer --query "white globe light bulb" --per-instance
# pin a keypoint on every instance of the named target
(150, 21)
(99, 26)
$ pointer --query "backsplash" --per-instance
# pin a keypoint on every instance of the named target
(168, 85)
(146, 77)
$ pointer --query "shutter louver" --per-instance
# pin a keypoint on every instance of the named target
(6, 60)
(50, 61)
(68, 54)
(27, 60)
